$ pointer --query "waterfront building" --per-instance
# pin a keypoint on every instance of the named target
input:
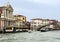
(58, 25)
(6, 16)
(20, 17)
(21, 23)
(27, 24)
(37, 23)
(18, 22)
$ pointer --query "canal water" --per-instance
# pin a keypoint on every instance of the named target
(50, 36)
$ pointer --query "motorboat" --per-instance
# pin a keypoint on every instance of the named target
(29, 31)
(43, 30)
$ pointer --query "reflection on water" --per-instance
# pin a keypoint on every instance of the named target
(51, 36)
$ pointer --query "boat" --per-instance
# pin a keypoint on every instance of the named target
(29, 31)
(44, 30)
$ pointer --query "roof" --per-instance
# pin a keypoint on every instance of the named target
(43, 19)
(19, 16)
(39, 19)
(36, 19)
(6, 6)
(2, 7)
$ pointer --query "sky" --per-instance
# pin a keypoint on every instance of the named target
(48, 9)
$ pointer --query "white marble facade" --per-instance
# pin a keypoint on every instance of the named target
(7, 16)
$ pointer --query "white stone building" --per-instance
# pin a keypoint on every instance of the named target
(37, 23)
(6, 15)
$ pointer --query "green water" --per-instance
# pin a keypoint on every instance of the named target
(51, 36)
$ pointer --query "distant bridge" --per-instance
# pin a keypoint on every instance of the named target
(46, 25)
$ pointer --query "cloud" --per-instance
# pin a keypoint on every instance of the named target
(49, 2)
(21, 10)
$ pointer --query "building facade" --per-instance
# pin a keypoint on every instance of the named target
(6, 16)
(20, 17)
(37, 23)
(20, 20)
